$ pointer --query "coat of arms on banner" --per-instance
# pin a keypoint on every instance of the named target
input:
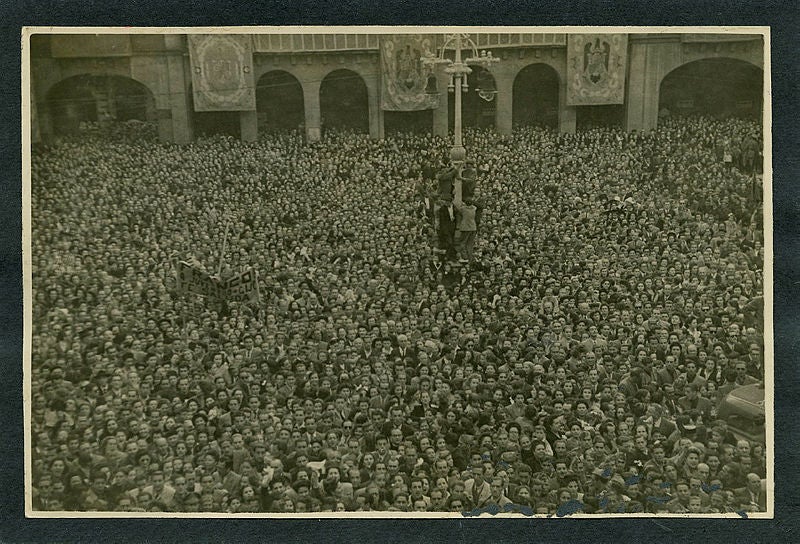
(404, 77)
(596, 69)
(408, 67)
(222, 72)
(595, 60)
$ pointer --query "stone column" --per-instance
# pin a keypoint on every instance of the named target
(567, 115)
(504, 113)
(312, 110)
(375, 111)
(164, 119)
(248, 125)
(644, 78)
(180, 102)
(44, 73)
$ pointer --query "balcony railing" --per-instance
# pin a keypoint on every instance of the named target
(299, 43)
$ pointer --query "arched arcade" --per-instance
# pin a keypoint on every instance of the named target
(279, 101)
(720, 87)
(98, 98)
(343, 101)
(535, 96)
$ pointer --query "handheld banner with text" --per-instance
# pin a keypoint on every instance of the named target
(194, 281)
(243, 287)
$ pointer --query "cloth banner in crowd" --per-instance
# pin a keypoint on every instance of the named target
(404, 78)
(596, 69)
(193, 281)
(222, 72)
(243, 287)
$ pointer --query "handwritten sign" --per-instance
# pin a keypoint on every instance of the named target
(194, 281)
(243, 287)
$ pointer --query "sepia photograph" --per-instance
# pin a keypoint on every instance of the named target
(398, 272)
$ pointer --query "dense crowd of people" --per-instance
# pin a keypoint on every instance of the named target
(573, 360)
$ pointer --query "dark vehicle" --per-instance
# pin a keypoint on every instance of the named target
(743, 409)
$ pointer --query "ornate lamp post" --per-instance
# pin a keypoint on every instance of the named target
(458, 70)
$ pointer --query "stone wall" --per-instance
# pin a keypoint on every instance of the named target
(161, 63)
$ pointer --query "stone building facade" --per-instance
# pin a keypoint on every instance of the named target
(158, 67)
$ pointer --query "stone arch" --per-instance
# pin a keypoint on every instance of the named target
(52, 72)
(92, 97)
(713, 85)
(750, 51)
(535, 94)
(344, 100)
(279, 101)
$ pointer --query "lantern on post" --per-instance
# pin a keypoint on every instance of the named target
(458, 70)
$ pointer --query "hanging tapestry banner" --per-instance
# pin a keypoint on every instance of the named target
(404, 77)
(222, 72)
(596, 66)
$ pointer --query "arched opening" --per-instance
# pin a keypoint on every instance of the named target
(606, 116)
(535, 96)
(212, 123)
(417, 122)
(91, 100)
(343, 101)
(719, 87)
(279, 101)
(478, 104)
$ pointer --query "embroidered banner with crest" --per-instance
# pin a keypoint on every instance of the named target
(405, 78)
(596, 66)
(222, 72)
